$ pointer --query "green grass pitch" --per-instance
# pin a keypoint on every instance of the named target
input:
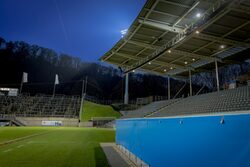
(97, 110)
(53, 147)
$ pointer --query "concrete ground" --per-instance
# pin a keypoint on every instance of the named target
(114, 156)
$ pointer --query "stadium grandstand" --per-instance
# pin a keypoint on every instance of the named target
(178, 39)
(18, 108)
(223, 101)
(41, 106)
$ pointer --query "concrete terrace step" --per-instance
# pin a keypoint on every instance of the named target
(113, 157)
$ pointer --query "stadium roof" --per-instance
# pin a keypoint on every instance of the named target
(172, 37)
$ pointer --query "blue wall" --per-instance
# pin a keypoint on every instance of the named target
(188, 142)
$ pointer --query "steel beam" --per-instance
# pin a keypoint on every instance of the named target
(190, 54)
(186, 13)
(169, 93)
(126, 56)
(161, 26)
(190, 83)
(132, 34)
(178, 39)
(162, 35)
(162, 13)
(126, 95)
(176, 4)
(161, 63)
(242, 9)
(145, 45)
(221, 40)
(217, 76)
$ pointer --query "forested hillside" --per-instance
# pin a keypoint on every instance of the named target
(42, 64)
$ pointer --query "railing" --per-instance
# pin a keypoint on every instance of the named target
(144, 100)
(7, 116)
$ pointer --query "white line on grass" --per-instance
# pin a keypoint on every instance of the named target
(22, 138)
(20, 146)
(5, 151)
(38, 142)
(68, 142)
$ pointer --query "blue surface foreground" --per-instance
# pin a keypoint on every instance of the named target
(188, 142)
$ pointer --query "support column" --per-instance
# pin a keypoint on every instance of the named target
(190, 82)
(126, 96)
(217, 76)
(82, 100)
(169, 88)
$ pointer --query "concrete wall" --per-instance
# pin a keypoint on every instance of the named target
(37, 121)
(207, 141)
(86, 124)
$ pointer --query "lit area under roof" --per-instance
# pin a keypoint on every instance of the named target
(171, 37)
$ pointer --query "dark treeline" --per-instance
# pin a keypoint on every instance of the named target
(104, 82)
(42, 64)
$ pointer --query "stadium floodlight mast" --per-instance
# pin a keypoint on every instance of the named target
(124, 32)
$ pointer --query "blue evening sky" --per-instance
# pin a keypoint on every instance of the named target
(82, 28)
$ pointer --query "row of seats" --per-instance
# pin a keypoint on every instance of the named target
(40, 105)
(148, 109)
(223, 101)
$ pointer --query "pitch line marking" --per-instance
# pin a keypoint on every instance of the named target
(5, 151)
(20, 146)
(22, 138)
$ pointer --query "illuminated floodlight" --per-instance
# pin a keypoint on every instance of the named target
(133, 71)
(198, 15)
(197, 32)
(149, 63)
(169, 51)
(186, 62)
(193, 59)
(222, 46)
(124, 32)
(171, 68)
(165, 70)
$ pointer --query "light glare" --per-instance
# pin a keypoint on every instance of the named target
(124, 32)
(222, 46)
(198, 15)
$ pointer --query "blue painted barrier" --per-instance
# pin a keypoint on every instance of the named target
(202, 141)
